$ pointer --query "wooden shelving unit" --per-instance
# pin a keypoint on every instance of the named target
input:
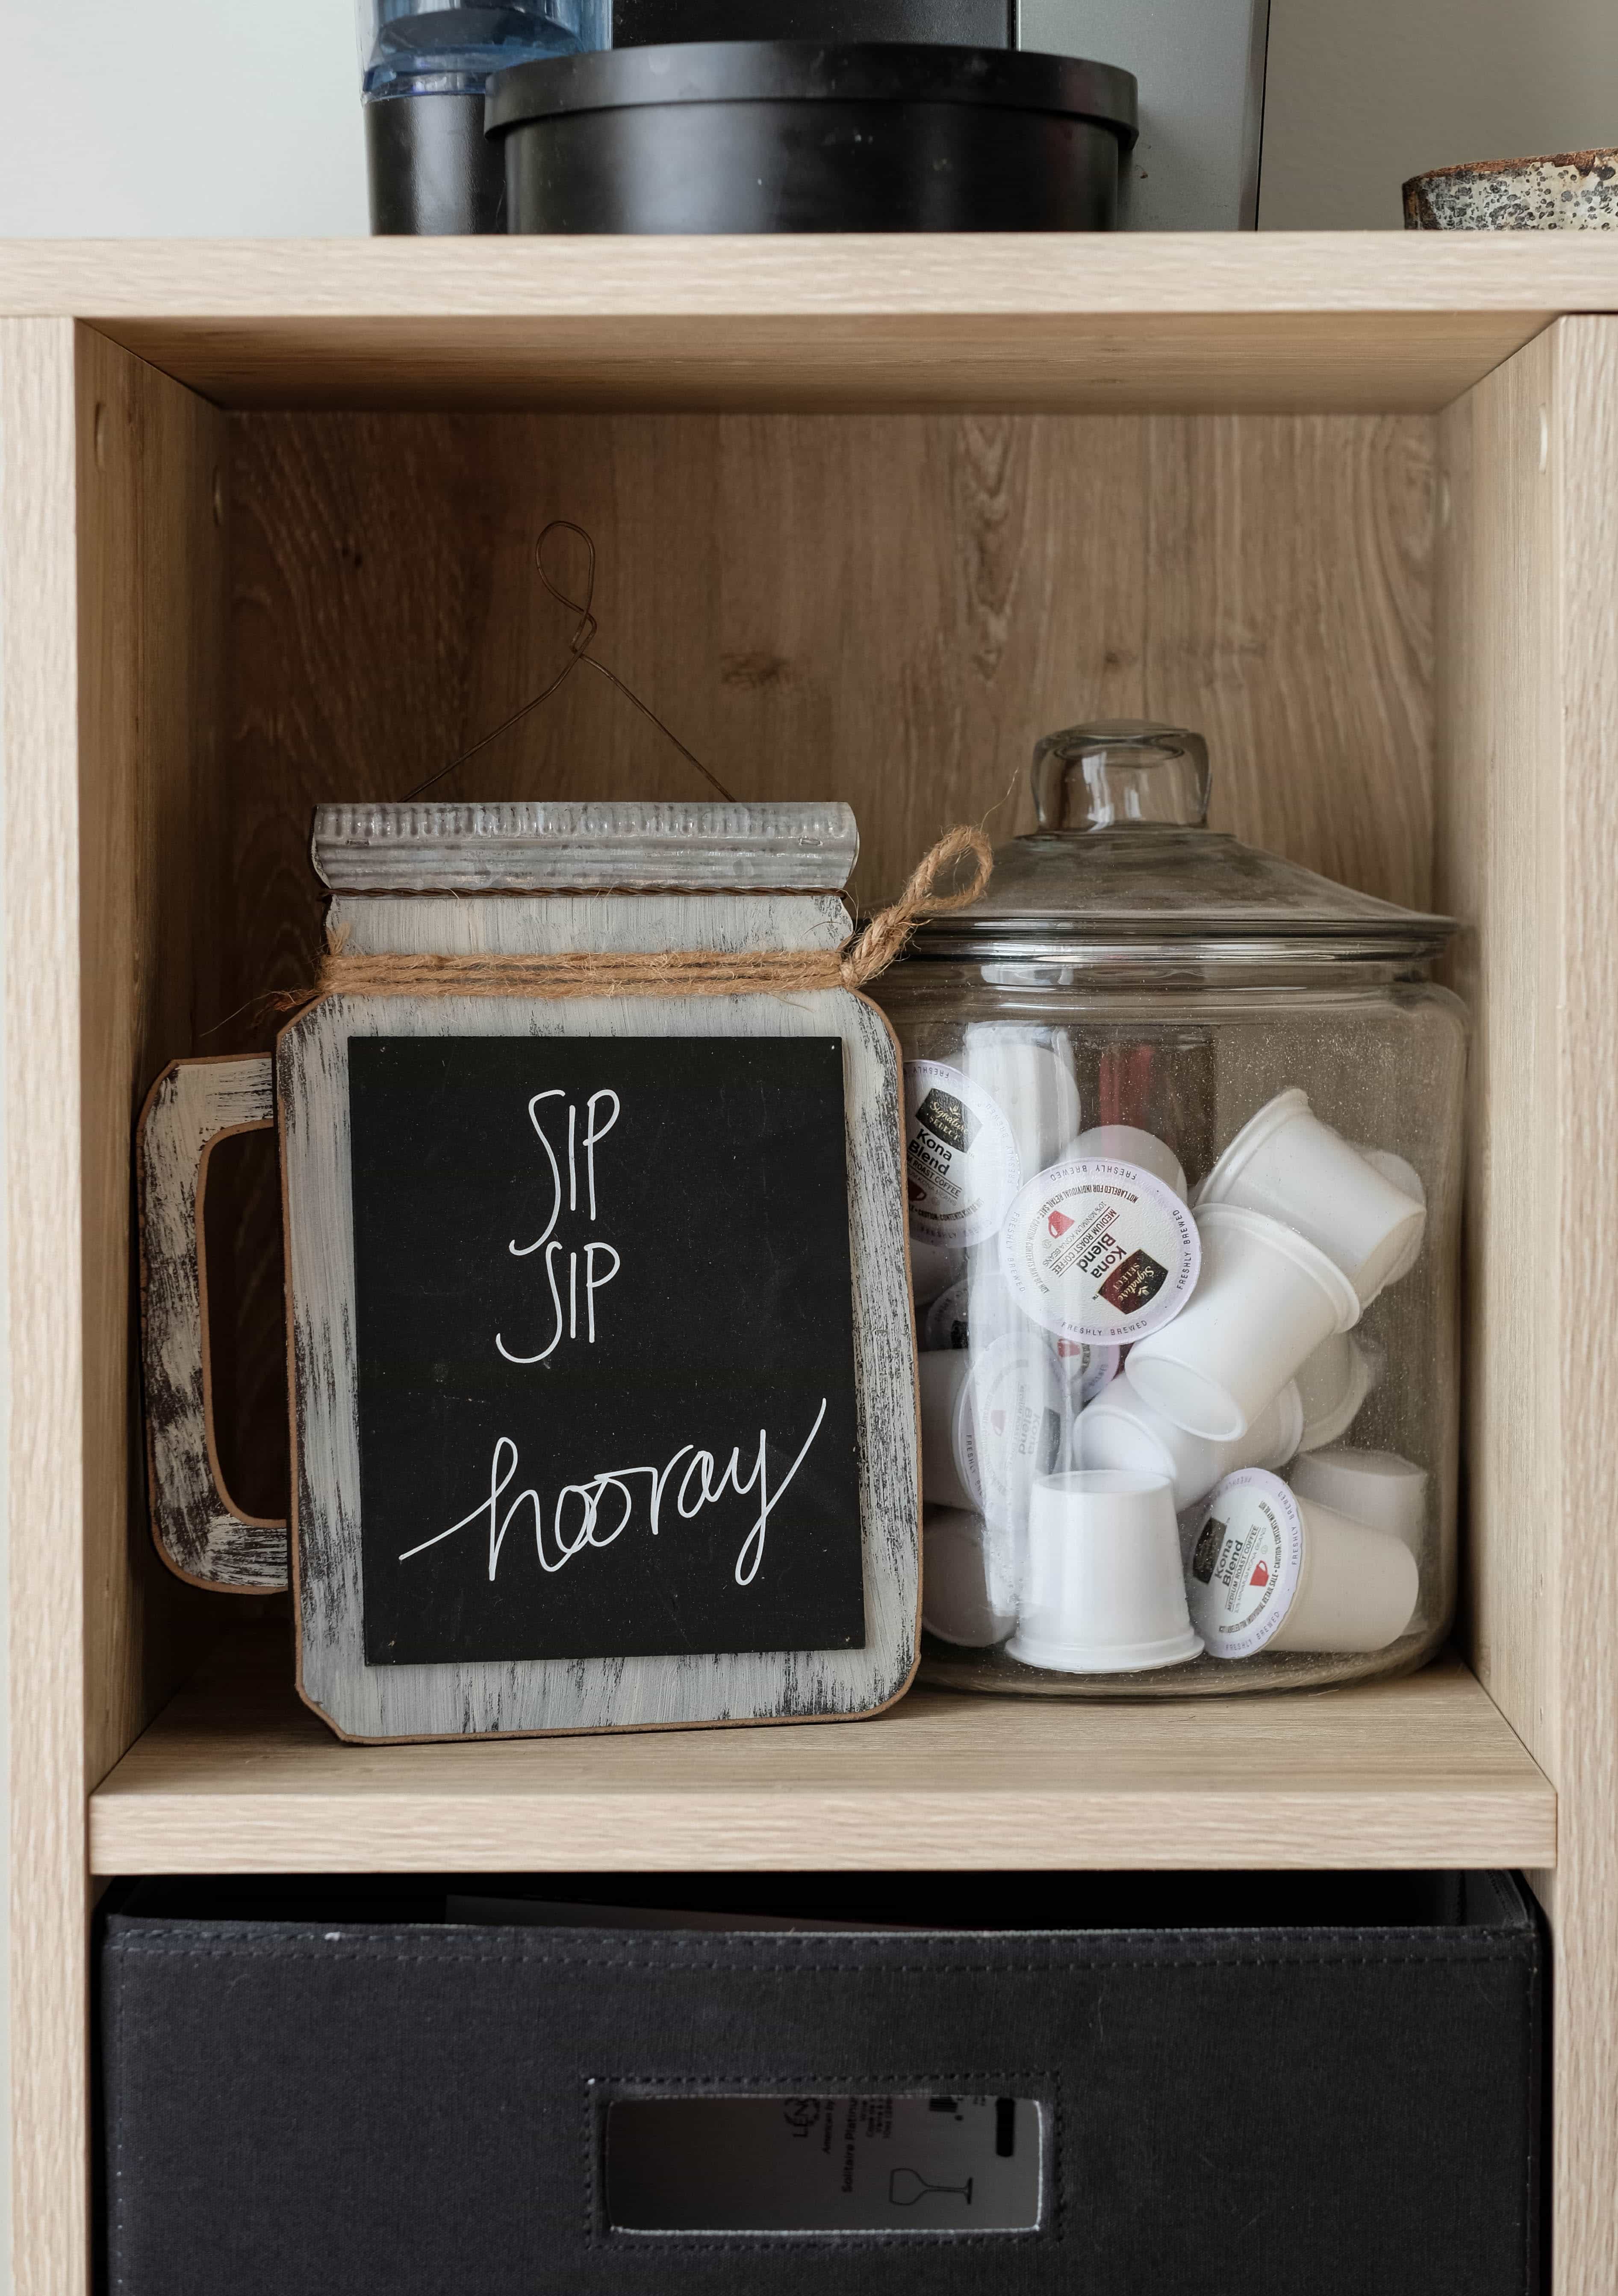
(235, 1777)
(870, 514)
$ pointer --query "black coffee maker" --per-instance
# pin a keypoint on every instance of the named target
(426, 69)
(952, 23)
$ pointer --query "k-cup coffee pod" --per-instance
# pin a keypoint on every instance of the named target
(1375, 1488)
(1120, 1429)
(1028, 1073)
(962, 1168)
(1397, 1169)
(1126, 1144)
(1020, 1423)
(1088, 1369)
(1265, 1300)
(1333, 1383)
(1271, 1570)
(965, 1593)
(933, 1270)
(1099, 1251)
(946, 1447)
(991, 1419)
(1288, 1165)
(1104, 1585)
(1403, 1174)
(978, 1308)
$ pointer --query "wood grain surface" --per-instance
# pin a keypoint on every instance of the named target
(1584, 452)
(235, 1777)
(149, 473)
(902, 275)
(1346, 321)
(884, 610)
(1074, 361)
(1500, 863)
(1527, 831)
(49, 1414)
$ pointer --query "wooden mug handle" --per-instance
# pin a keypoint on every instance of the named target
(199, 1533)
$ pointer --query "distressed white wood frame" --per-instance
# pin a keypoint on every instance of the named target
(524, 846)
(531, 1696)
(199, 1532)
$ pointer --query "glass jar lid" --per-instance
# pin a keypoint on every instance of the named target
(1122, 862)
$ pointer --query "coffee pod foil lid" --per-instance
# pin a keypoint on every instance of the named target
(961, 1167)
(1015, 1425)
(1089, 1368)
(1246, 1562)
(1100, 1252)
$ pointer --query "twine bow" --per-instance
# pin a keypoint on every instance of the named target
(887, 935)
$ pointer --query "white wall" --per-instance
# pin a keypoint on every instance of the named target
(1363, 93)
(233, 118)
(180, 117)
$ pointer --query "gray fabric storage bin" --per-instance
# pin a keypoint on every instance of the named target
(1293, 2086)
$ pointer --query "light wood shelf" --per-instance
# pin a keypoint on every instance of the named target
(236, 1776)
(1339, 323)
(1398, 633)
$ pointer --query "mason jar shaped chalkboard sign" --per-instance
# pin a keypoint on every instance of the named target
(600, 1347)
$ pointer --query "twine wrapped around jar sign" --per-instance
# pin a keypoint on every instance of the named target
(681, 972)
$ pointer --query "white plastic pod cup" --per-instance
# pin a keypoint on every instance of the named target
(991, 1419)
(1374, 1488)
(1028, 1073)
(1265, 1300)
(1127, 1144)
(1289, 1166)
(966, 1592)
(1401, 1174)
(1396, 1169)
(962, 1168)
(1274, 1572)
(1120, 1429)
(1089, 1369)
(1104, 1590)
(1099, 1251)
(1333, 1384)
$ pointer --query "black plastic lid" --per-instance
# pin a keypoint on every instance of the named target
(962, 23)
(751, 71)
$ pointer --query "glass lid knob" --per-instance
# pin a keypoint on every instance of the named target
(1119, 772)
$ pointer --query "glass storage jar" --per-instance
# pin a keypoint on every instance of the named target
(1183, 1143)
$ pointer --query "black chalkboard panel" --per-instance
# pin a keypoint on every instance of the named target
(605, 1341)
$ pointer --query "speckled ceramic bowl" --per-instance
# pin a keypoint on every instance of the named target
(1570, 191)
